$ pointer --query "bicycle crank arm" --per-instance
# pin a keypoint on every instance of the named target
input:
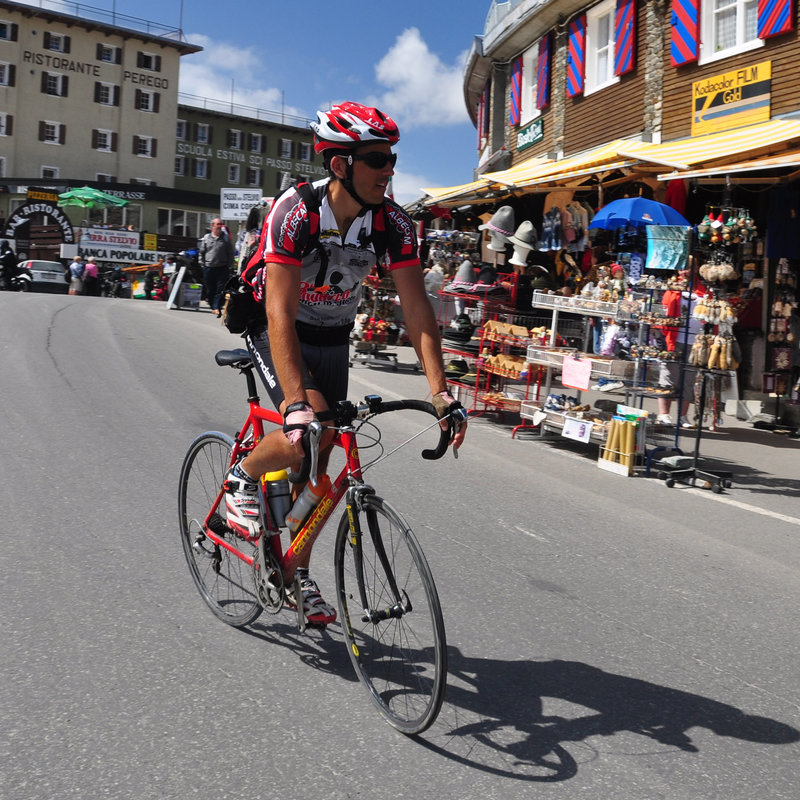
(394, 612)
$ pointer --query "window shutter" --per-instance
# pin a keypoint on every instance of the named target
(228, 137)
(95, 139)
(139, 58)
(65, 85)
(576, 56)
(114, 139)
(98, 52)
(515, 94)
(14, 31)
(67, 43)
(158, 63)
(9, 125)
(624, 37)
(44, 82)
(41, 130)
(774, 18)
(685, 32)
(12, 75)
(137, 99)
(46, 40)
(62, 133)
(115, 94)
(210, 135)
(117, 55)
(543, 74)
(135, 145)
(96, 92)
(153, 148)
(156, 103)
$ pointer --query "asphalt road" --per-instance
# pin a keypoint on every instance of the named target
(608, 637)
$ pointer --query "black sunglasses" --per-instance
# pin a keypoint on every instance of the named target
(374, 159)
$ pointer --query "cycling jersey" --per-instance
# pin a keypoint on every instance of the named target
(332, 271)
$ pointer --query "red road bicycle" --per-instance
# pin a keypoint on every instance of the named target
(389, 609)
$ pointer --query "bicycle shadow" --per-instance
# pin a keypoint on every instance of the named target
(319, 648)
(514, 718)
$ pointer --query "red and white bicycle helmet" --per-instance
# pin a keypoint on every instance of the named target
(349, 125)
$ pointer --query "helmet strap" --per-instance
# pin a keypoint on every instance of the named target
(347, 183)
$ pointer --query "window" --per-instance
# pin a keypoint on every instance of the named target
(283, 181)
(177, 222)
(233, 173)
(146, 101)
(6, 124)
(2, 167)
(255, 176)
(104, 177)
(55, 84)
(728, 27)
(148, 61)
(56, 42)
(256, 142)
(109, 53)
(142, 181)
(49, 172)
(8, 31)
(600, 47)
(200, 168)
(7, 74)
(106, 94)
(144, 146)
(286, 148)
(52, 132)
(181, 129)
(202, 133)
(180, 165)
(530, 63)
(306, 153)
(234, 139)
(106, 141)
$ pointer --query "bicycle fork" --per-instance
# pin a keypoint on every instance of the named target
(402, 603)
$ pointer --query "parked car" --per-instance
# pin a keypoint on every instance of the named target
(45, 276)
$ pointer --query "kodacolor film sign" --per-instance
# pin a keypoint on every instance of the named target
(737, 98)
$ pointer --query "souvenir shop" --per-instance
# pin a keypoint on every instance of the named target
(558, 278)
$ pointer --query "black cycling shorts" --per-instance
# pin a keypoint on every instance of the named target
(323, 368)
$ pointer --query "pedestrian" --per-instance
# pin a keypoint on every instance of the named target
(91, 283)
(217, 258)
(76, 269)
(8, 264)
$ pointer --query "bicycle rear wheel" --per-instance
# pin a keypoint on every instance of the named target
(224, 580)
(402, 656)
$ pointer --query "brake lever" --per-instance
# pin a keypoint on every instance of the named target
(314, 436)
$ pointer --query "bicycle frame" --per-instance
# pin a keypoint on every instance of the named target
(248, 437)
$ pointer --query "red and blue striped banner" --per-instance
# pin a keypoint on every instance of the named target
(685, 33)
(543, 73)
(576, 56)
(774, 17)
(515, 95)
(624, 36)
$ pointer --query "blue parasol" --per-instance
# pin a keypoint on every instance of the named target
(636, 211)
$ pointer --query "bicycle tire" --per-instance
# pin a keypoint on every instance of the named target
(402, 661)
(225, 582)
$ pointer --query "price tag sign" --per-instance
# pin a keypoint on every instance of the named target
(576, 372)
(577, 429)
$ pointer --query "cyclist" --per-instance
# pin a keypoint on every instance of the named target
(314, 261)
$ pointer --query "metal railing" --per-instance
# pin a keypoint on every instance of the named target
(240, 110)
(83, 11)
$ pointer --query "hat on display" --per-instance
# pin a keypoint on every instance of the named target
(525, 236)
(501, 223)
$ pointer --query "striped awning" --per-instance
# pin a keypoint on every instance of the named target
(686, 154)
(753, 165)
(534, 171)
(443, 194)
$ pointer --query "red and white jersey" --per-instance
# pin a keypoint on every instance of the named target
(332, 272)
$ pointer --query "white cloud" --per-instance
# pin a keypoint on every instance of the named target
(406, 187)
(421, 89)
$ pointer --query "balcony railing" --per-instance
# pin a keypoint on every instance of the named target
(87, 12)
(229, 107)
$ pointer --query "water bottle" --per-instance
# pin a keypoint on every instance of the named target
(306, 502)
(279, 495)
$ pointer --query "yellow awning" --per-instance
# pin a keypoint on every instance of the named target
(444, 193)
(769, 162)
(536, 171)
(684, 154)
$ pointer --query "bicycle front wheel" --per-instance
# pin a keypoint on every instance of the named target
(224, 580)
(397, 643)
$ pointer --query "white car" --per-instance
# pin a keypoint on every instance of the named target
(44, 276)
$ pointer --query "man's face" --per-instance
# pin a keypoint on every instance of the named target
(369, 182)
(216, 227)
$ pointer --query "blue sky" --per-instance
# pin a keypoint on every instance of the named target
(407, 58)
